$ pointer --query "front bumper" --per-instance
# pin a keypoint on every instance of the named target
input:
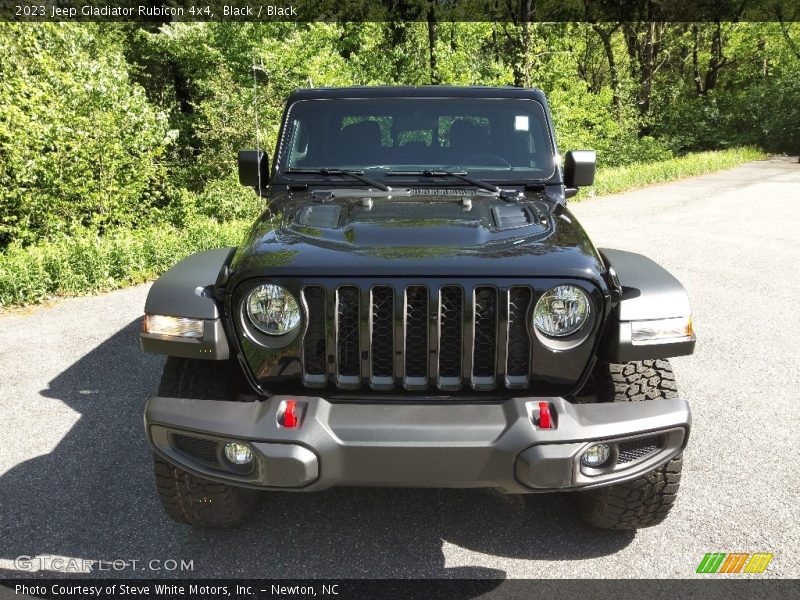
(414, 445)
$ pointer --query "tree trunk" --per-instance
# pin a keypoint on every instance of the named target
(718, 59)
(434, 73)
(605, 37)
(698, 82)
(706, 82)
(793, 45)
(522, 45)
(643, 41)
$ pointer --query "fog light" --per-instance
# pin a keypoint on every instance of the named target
(596, 456)
(238, 454)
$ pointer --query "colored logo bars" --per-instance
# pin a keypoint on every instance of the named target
(736, 562)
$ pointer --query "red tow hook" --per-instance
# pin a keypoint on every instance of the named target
(289, 414)
(545, 421)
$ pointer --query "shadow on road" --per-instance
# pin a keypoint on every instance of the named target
(92, 497)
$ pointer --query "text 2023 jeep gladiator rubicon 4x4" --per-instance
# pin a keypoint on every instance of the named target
(417, 307)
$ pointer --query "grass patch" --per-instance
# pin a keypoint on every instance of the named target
(629, 177)
(85, 263)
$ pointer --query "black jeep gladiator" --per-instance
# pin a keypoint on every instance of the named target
(417, 306)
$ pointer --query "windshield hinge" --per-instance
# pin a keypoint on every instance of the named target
(511, 195)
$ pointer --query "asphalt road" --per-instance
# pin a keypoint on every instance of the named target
(75, 477)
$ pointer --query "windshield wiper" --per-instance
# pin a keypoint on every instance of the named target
(345, 173)
(507, 195)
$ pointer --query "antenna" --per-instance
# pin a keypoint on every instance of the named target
(259, 74)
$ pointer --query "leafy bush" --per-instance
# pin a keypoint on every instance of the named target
(210, 97)
(80, 146)
(587, 121)
(86, 262)
(226, 200)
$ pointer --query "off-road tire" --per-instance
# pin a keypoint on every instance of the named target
(646, 500)
(196, 501)
(187, 498)
(200, 379)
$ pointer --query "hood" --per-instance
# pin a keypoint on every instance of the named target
(417, 232)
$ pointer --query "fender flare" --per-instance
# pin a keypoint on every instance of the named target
(187, 290)
(648, 292)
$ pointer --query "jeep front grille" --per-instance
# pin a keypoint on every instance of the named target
(417, 336)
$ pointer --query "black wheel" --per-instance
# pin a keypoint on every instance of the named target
(646, 500)
(187, 498)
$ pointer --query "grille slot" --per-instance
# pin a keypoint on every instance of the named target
(417, 336)
(382, 335)
(485, 343)
(636, 449)
(202, 449)
(347, 336)
(314, 350)
(519, 342)
(451, 318)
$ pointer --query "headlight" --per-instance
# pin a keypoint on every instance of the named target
(272, 310)
(561, 311)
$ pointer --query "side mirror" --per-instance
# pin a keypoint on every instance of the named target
(579, 169)
(253, 168)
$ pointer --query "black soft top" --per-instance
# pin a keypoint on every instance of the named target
(424, 91)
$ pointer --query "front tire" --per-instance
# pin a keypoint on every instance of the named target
(196, 501)
(648, 499)
(188, 498)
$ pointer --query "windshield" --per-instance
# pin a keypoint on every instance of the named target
(494, 138)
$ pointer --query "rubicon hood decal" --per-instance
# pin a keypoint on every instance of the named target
(441, 191)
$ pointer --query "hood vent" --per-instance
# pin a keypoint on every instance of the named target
(326, 216)
(511, 217)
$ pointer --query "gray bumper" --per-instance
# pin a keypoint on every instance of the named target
(405, 445)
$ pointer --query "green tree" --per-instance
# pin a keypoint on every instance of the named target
(80, 146)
